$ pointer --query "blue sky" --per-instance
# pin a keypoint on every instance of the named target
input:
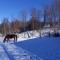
(11, 8)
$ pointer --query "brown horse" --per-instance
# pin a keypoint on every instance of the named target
(10, 36)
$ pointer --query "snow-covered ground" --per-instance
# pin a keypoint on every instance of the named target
(12, 52)
(9, 51)
(32, 34)
(30, 46)
(46, 48)
(28, 35)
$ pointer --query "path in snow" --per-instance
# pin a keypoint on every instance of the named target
(3, 55)
(12, 52)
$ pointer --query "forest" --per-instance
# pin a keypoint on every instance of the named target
(47, 17)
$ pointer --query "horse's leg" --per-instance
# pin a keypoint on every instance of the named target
(4, 40)
(16, 38)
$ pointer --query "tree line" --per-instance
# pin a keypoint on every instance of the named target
(38, 18)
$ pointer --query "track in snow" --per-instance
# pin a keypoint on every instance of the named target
(12, 52)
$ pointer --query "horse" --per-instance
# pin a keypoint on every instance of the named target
(10, 36)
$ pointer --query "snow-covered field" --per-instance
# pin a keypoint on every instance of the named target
(9, 51)
(30, 46)
(12, 52)
(46, 48)
(32, 34)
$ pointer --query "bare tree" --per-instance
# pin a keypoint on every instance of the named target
(48, 15)
(5, 26)
(24, 19)
(34, 17)
(57, 10)
(15, 25)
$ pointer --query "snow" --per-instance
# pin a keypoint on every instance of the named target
(13, 52)
(10, 51)
(33, 34)
(24, 36)
(46, 48)
(18, 53)
(3, 55)
(30, 46)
